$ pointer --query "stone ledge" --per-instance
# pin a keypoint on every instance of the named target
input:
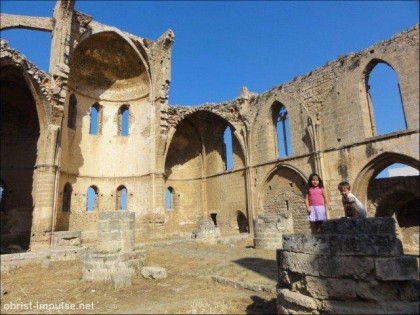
(344, 245)
(347, 226)
(244, 285)
(297, 299)
(337, 307)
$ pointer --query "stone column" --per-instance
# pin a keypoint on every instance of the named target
(44, 193)
(116, 231)
(269, 230)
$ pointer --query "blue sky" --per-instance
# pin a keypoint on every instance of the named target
(221, 46)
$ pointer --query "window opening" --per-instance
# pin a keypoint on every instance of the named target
(169, 200)
(67, 197)
(92, 196)
(2, 193)
(385, 100)
(283, 133)
(122, 198)
(227, 149)
(213, 217)
(94, 120)
(123, 120)
(242, 222)
(72, 113)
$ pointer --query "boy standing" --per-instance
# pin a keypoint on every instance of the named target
(352, 206)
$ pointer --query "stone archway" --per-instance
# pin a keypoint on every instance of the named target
(20, 133)
(396, 197)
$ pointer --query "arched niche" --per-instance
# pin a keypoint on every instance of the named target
(107, 66)
(282, 194)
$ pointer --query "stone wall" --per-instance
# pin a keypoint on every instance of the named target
(182, 146)
(356, 266)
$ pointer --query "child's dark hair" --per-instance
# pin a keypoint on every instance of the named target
(321, 184)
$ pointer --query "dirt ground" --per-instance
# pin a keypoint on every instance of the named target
(56, 287)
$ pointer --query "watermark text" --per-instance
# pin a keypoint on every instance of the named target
(62, 306)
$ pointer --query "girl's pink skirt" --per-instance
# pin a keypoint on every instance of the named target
(318, 213)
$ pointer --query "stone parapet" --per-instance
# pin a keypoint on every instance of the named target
(347, 271)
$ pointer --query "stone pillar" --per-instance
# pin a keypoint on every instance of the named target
(356, 267)
(116, 257)
(269, 230)
(60, 41)
(44, 192)
(116, 231)
(206, 232)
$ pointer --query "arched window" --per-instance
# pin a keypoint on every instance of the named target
(2, 193)
(122, 196)
(68, 190)
(227, 149)
(169, 199)
(72, 113)
(385, 100)
(123, 120)
(281, 120)
(92, 198)
(95, 119)
(242, 222)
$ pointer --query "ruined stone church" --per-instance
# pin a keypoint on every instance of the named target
(98, 133)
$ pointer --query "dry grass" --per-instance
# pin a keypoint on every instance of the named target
(187, 290)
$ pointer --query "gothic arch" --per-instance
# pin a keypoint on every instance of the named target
(372, 108)
(171, 132)
(24, 134)
(375, 166)
(299, 119)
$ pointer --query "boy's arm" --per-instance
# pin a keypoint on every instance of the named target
(361, 210)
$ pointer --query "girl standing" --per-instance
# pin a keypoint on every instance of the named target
(316, 203)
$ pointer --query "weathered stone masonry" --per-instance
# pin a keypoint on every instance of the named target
(355, 267)
(332, 130)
